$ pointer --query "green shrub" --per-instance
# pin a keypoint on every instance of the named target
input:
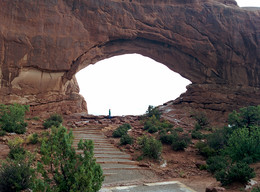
(201, 120)
(243, 144)
(50, 123)
(246, 117)
(15, 176)
(54, 120)
(179, 129)
(2, 133)
(196, 135)
(218, 139)
(61, 169)
(216, 163)
(126, 139)
(205, 150)
(15, 142)
(33, 138)
(256, 189)
(167, 125)
(36, 118)
(152, 129)
(238, 172)
(168, 139)
(152, 111)
(121, 130)
(180, 143)
(16, 152)
(151, 122)
(150, 147)
(12, 118)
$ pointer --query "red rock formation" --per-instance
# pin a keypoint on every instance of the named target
(213, 43)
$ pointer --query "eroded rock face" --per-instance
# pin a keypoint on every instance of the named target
(213, 43)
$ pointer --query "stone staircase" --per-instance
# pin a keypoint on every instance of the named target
(118, 167)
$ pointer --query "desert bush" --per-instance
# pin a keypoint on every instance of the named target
(15, 142)
(150, 147)
(196, 135)
(256, 189)
(32, 139)
(218, 139)
(180, 143)
(152, 111)
(151, 122)
(205, 150)
(243, 144)
(216, 163)
(12, 118)
(16, 149)
(152, 129)
(152, 125)
(62, 169)
(16, 152)
(238, 172)
(168, 138)
(121, 130)
(15, 176)
(179, 129)
(246, 117)
(201, 120)
(2, 132)
(126, 139)
(54, 120)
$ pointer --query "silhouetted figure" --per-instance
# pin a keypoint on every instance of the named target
(109, 114)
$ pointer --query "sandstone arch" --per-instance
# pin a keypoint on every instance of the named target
(213, 43)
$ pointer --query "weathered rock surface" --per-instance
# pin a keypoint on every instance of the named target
(213, 43)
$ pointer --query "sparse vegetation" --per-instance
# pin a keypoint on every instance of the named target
(196, 135)
(16, 149)
(180, 142)
(236, 146)
(126, 139)
(54, 120)
(12, 118)
(152, 111)
(216, 163)
(201, 120)
(121, 130)
(62, 169)
(179, 129)
(2, 133)
(32, 139)
(237, 172)
(168, 138)
(15, 175)
(153, 129)
(150, 147)
(256, 189)
(205, 150)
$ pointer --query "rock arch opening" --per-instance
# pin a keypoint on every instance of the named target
(213, 43)
(128, 84)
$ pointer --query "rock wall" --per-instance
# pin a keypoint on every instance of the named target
(213, 43)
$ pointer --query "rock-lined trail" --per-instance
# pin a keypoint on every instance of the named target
(121, 172)
(118, 167)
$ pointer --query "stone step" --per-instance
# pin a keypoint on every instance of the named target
(115, 176)
(120, 161)
(108, 166)
(113, 156)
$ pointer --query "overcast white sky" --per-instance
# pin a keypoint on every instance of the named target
(128, 84)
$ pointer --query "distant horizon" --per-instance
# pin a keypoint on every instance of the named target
(128, 84)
